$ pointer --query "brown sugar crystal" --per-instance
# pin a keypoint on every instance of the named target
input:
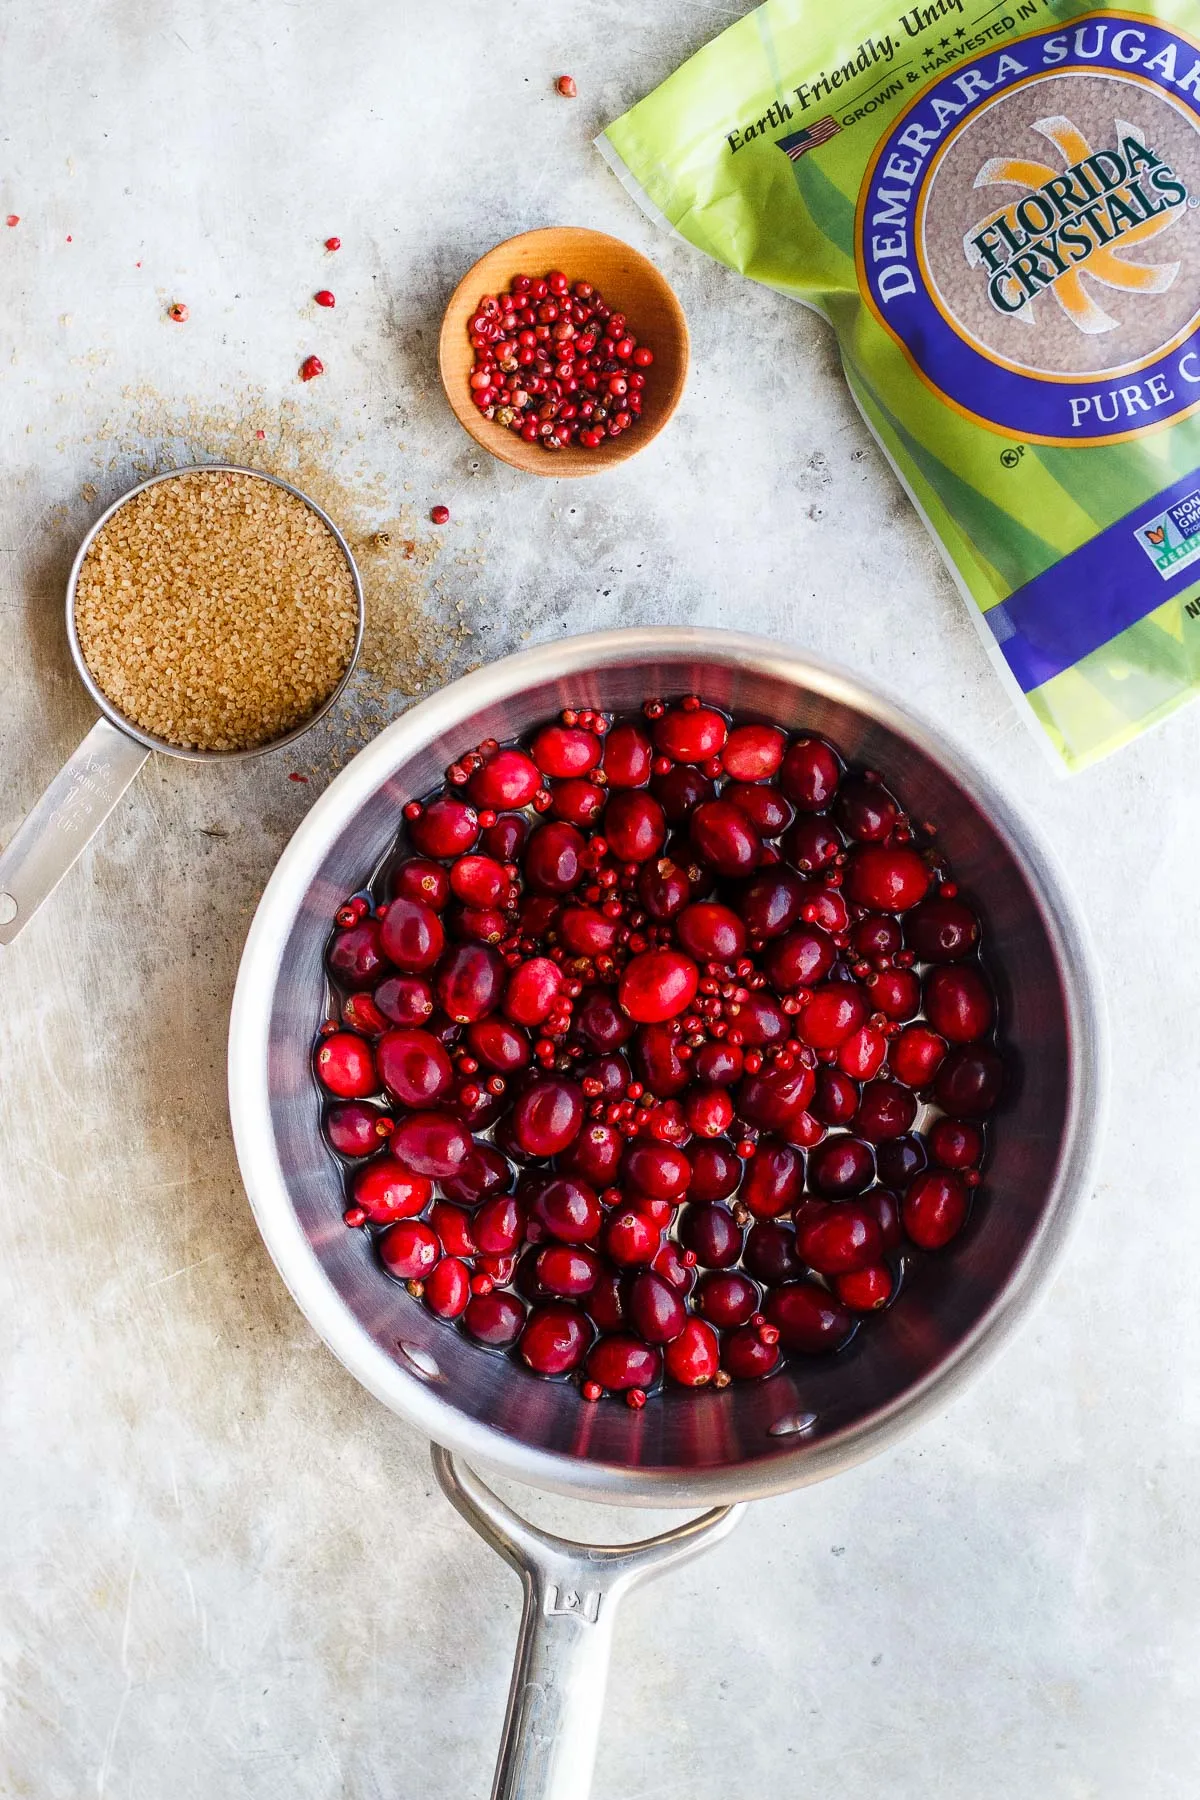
(216, 610)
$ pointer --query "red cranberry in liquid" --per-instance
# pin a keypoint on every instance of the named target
(941, 930)
(494, 1319)
(635, 826)
(506, 838)
(621, 1363)
(725, 838)
(345, 1066)
(566, 1270)
(498, 1045)
(658, 1171)
(405, 999)
(353, 1129)
(897, 1160)
(954, 1144)
(760, 1020)
(547, 1117)
(680, 791)
(414, 1067)
(499, 1225)
(448, 1288)
(884, 1208)
(726, 1298)
(599, 1021)
(865, 810)
(417, 878)
(719, 1064)
(751, 1353)
(835, 1100)
(658, 985)
(663, 889)
(656, 1311)
(563, 750)
(865, 1290)
(628, 756)
(710, 1231)
(716, 1171)
(693, 1358)
(690, 737)
(754, 752)
(887, 878)
(387, 1191)
(916, 1055)
(612, 1072)
(453, 1226)
(408, 1250)
(555, 1338)
(774, 1100)
(676, 1266)
(552, 858)
(862, 1054)
(469, 982)
(841, 1165)
(586, 931)
(605, 1304)
(484, 1172)
(771, 1254)
(578, 802)
(360, 1013)
(711, 932)
(801, 959)
(834, 1012)
(808, 1318)
(709, 1111)
(430, 1143)
(812, 844)
(809, 774)
(935, 1209)
(886, 1110)
(478, 925)
(895, 992)
(412, 935)
(356, 954)
(771, 903)
(630, 1240)
(595, 1156)
(532, 991)
(478, 881)
(765, 807)
(969, 1081)
(507, 782)
(876, 935)
(774, 1179)
(958, 1003)
(658, 1063)
(841, 1239)
(447, 827)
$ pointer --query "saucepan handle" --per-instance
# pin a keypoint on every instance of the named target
(64, 822)
(572, 1591)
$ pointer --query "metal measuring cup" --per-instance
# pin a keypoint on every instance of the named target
(86, 789)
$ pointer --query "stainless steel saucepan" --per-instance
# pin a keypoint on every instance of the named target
(686, 1448)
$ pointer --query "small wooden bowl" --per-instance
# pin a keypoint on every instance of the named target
(629, 284)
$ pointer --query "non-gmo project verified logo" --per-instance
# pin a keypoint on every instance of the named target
(1172, 540)
(797, 143)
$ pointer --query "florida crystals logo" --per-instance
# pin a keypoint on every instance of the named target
(1029, 233)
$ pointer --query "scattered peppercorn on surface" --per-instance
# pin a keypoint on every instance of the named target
(216, 610)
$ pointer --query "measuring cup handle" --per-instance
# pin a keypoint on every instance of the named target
(64, 822)
(572, 1592)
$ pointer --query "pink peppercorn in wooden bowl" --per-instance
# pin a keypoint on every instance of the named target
(631, 286)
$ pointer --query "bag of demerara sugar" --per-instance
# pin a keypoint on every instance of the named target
(997, 209)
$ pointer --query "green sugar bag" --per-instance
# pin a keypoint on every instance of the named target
(997, 209)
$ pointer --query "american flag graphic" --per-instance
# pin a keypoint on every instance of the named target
(795, 145)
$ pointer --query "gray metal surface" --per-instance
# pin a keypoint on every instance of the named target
(686, 1448)
(84, 792)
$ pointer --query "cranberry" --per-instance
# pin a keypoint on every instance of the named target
(771, 1254)
(414, 1067)
(865, 1290)
(772, 902)
(886, 1110)
(628, 756)
(760, 1020)
(599, 1021)
(751, 1353)
(555, 1339)
(356, 955)
(621, 1363)
(431, 1144)
(800, 959)
(711, 1231)
(841, 1165)
(866, 811)
(680, 790)
(483, 1172)
(547, 1117)
(446, 827)
(835, 1099)
(569, 1210)
(387, 1191)
(753, 752)
(360, 1013)
(765, 807)
(719, 1065)
(494, 1319)
(579, 802)
(408, 1250)
(499, 1225)
(897, 1160)
(663, 888)
(658, 1171)
(775, 1101)
(478, 924)
(565, 750)
(969, 1081)
(656, 1311)
(658, 985)
(498, 1045)
(354, 1129)
(675, 1266)
(345, 1065)
(941, 930)
(532, 991)
(566, 1270)
(552, 858)
(692, 1359)
(419, 879)
(716, 1172)
(935, 1208)
(405, 999)
(448, 1288)
(605, 1305)
(895, 992)
(833, 1013)
(635, 826)
(478, 881)
(412, 935)
(470, 981)
(916, 1055)
(887, 878)
(595, 1156)
(954, 1144)
(726, 1298)
(774, 1179)
(709, 1111)
(841, 1239)
(876, 935)
(690, 736)
(630, 1238)
(711, 932)
(658, 1062)
(958, 1003)
(862, 1054)
(809, 774)
(884, 1208)
(808, 1318)
(812, 844)
(724, 837)
(586, 930)
(507, 781)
